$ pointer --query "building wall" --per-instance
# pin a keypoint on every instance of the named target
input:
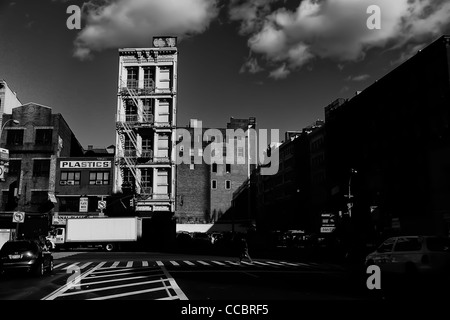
(32, 189)
(8, 100)
(390, 133)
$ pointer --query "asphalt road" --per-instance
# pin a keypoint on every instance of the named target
(164, 276)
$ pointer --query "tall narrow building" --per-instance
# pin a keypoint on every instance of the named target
(145, 126)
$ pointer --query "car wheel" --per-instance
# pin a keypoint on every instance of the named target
(109, 247)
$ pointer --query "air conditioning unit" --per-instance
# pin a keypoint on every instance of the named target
(98, 182)
(63, 183)
(70, 182)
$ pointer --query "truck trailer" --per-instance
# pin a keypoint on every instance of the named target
(104, 233)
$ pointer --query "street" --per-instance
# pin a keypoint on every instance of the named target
(154, 276)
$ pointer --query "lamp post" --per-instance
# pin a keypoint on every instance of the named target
(349, 196)
(4, 125)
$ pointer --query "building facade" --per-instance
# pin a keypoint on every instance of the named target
(35, 139)
(83, 186)
(205, 185)
(146, 120)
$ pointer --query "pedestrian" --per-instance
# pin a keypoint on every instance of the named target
(243, 250)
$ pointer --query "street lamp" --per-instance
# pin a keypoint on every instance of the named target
(3, 127)
(349, 196)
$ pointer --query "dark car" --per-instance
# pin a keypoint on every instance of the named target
(25, 255)
(201, 240)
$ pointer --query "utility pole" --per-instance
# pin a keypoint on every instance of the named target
(350, 196)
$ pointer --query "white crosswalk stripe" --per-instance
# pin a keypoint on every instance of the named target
(71, 266)
(190, 263)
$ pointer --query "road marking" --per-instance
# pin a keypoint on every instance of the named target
(71, 266)
(145, 263)
(55, 294)
(174, 263)
(174, 285)
(129, 264)
(189, 263)
(115, 264)
(289, 264)
(261, 263)
(59, 265)
(234, 263)
(111, 280)
(159, 263)
(274, 263)
(111, 287)
(115, 271)
(85, 265)
(203, 262)
(219, 263)
(124, 274)
(247, 263)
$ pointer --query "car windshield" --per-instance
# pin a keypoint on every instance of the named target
(438, 244)
(17, 246)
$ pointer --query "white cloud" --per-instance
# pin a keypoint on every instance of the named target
(132, 23)
(251, 65)
(336, 29)
(280, 73)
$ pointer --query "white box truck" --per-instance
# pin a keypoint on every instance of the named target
(106, 233)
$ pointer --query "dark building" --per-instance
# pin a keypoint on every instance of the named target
(389, 147)
(205, 188)
(35, 138)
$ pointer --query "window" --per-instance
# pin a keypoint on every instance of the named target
(39, 197)
(147, 105)
(228, 184)
(386, 246)
(132, 77)
(14, 167)
(228, 168)
(44, 137)
(100, 178)
(408, 244)
(15, 137)
(127, 176)
(147, 147)
(164, 77)
(214, 167)
(149, 77)
(146, 178)
(70, 178)
(41, 168)
(69, 204)
(129, 148)
(214, 184)
(130, 111)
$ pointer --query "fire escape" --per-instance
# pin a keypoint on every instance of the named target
(127, 126)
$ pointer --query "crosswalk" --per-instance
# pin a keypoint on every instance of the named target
(189, 264)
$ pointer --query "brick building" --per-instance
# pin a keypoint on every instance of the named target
(205, 187)
(35, 139)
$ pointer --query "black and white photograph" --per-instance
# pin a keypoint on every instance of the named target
(233, 157)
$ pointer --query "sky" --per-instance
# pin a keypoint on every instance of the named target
(281, 61)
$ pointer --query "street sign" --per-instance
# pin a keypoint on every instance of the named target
(84, 204)
(327, 229)
(4, 154)
(2, 172)
(101, 204)
(19, 217)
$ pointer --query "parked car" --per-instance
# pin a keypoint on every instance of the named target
(183, 239)
(412, 254)
(201, 240)
(25, 255)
